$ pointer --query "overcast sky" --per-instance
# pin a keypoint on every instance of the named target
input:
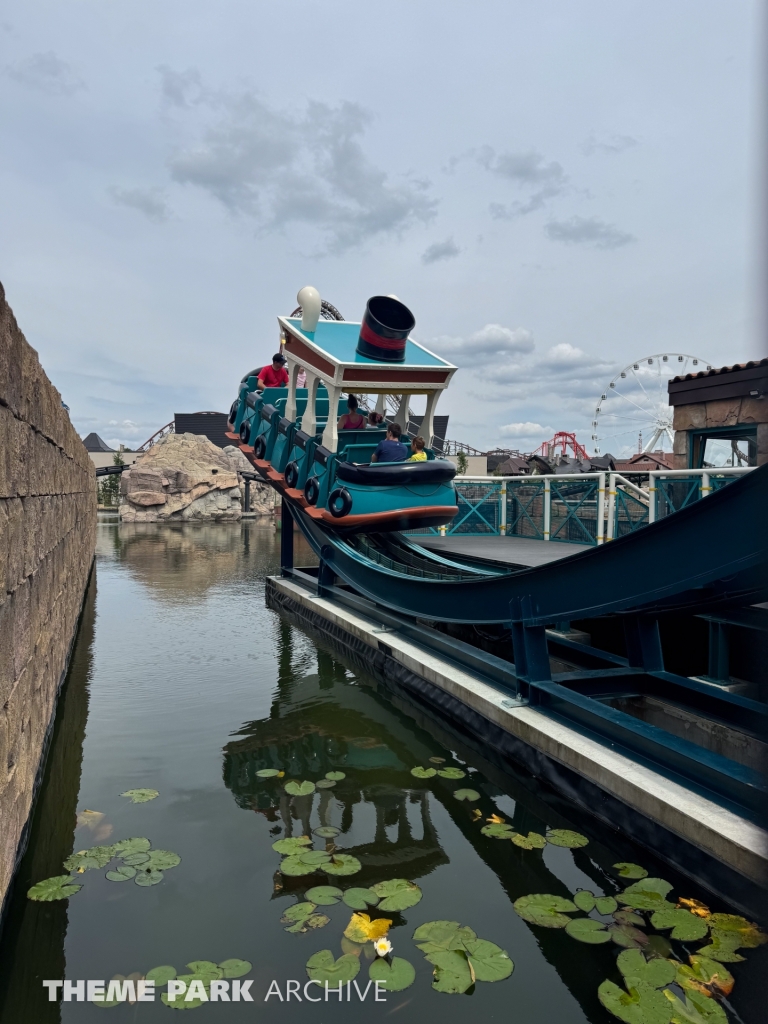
(555, 189)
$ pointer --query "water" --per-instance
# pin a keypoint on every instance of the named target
(184, 682)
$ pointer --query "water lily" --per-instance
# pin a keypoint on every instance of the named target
(382, 947)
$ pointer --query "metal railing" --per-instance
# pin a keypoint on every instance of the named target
(584, 508)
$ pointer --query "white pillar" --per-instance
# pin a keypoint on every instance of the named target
(290, 402)
(309, 419)
(401, 416)
(547, 508)
(600, 509)
(611, 533)
(427, 424)
(381, 404)
(331, 432)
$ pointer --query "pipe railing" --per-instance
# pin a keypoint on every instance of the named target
(613, 510)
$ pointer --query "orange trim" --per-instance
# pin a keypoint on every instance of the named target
(231, 435)
(297, 496)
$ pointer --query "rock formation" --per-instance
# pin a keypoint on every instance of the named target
(182, 478)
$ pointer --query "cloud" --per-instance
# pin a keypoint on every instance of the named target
(45, 72)
(278, 167)
(440, 251)
(149, 201)
(525, 430)
(609, 144)
(588, 231)
(527, 171)
(491, 340)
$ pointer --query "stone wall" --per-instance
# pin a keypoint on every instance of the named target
(47, 539)
(723, 412)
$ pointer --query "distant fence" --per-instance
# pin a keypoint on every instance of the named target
(588, 508)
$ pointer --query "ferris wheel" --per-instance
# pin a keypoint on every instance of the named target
(633, 413)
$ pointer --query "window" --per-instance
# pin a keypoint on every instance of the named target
(728, 446)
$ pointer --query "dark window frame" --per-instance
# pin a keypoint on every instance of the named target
(700, 436)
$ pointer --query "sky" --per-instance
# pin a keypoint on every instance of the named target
(555, 189)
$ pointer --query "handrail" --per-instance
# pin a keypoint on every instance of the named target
(704, 486)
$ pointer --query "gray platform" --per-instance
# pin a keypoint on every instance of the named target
(512, 550)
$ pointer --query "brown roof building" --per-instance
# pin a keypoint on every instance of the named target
(721, 416)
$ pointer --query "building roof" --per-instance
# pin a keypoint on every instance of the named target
(93, 443)
(742, 380)
(714, 371)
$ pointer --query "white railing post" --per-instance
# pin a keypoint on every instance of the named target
(547, 508)
(611, 506)
(652, 497)
(503, 509)
(705, 487)
(600, 509)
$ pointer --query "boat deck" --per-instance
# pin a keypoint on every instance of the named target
(509, 550)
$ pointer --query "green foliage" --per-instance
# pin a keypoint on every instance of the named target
(647, 894)
(628, 870)
(294, 788)
(60, 887)
(360, 899)
(461, 463)
(466, 794)
(141, 796)
(533, 841)
(565, 837)
(685, 926)
(393, 977)
(459, 957)
(451, 773)
(323, 967)
(585, 929)
(423, 773)
(324, 895)
(397, 894)
(545, 909)
(342, 864)
(291, 845)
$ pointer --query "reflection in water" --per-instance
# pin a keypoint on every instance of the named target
(39, 929)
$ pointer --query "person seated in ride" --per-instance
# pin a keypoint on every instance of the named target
(274, 376)
(392, 448)
(418, 444)
(352, 419)
(375, 419)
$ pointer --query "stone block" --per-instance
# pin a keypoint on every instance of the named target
(690, 417)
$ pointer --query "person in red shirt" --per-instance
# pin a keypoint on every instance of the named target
(274, 376)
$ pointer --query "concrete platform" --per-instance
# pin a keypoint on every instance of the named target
(510, 550)
(625, 794)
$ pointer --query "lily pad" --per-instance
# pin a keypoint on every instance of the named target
(312, 921)
(138, 844)
(627, 936)
(206, 970)
(161, 975)
(435, 935)
(545, 909)
(234, 968)
(533, 841)
(585, 929)
(626, 869)
(180, 1002)
(327, 832)
(437, 760)
(291, 845)
(498, 831)
(323, 967)
(642, 1005)
(628, 917)
(722, 947)
(697, 1009)
(636, 970)
(658, 946)
(565, 837)
(83, 861)
(647, 894)
(452, 973)
(423, 773)
(60, 887)
(135, 860)
(392, 977)
(295, 867)
(359, 898)
(488, 961)
(750, 936)
(342, 864)
(324, 895)
(397, 894)
(451, 773)
(140, 796)
(605, 905)
(466, 794)
(685, 926)
(335, 776)
(299, 788)
(584, 900)
(163, 860)
(268, 773)
(325, 783)
(149, 877)
(298, 912)
(122, 874)
(362, 929)
(706, 976)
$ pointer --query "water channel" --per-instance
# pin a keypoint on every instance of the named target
(183, 682)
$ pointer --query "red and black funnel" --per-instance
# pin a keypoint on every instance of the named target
(385, 329)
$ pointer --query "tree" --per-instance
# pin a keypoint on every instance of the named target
(110, 488)
(461, 463)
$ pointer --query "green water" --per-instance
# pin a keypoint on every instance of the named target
(184, 682)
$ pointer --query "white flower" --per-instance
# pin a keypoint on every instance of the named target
(382, 947)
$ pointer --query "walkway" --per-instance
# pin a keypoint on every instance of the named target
(512, 550)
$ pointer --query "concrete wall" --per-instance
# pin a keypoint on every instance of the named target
(47, 538)
(477, 465)
(102, 459)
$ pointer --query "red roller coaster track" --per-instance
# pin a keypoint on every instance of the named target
(564, 441)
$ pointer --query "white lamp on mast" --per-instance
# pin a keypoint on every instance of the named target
(309, 300)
